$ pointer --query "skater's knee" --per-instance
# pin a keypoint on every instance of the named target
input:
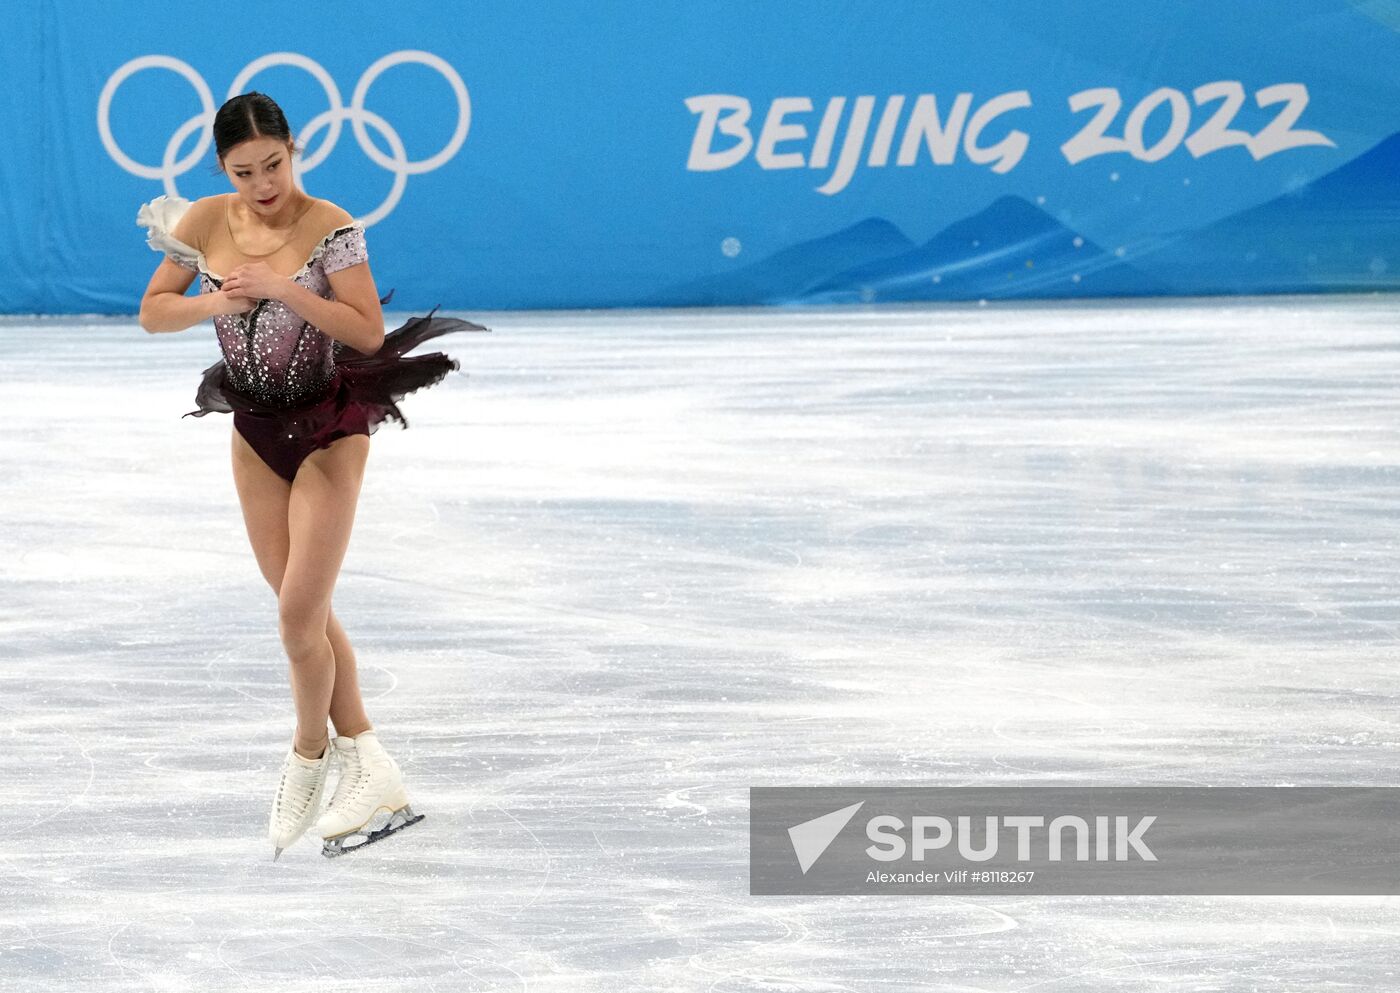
(300, 643)
(302, 626)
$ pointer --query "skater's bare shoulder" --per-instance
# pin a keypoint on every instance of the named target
(328, 217)
(194, 226)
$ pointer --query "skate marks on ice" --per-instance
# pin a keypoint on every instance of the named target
(639, 562)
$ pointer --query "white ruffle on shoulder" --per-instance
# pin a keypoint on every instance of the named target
(159, 218)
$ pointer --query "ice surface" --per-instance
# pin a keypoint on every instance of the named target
(637, 562)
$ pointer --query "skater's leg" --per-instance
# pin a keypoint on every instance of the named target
(347, 707)
(264, 497)
(320, 515)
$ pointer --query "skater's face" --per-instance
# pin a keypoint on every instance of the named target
(260, 169)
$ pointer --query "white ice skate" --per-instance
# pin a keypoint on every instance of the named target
(369, 802)
(298, 799)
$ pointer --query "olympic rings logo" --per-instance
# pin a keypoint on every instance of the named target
(332, 119)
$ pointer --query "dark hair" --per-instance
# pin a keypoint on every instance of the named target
(247, 116)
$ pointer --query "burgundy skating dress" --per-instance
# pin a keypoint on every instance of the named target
(291, 387)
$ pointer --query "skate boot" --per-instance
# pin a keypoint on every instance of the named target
(298, 799)
(369, 802)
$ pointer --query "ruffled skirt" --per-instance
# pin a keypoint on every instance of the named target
(364, 392)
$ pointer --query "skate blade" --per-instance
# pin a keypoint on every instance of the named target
(379, 827)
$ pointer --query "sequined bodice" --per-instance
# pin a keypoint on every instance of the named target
(272, 354)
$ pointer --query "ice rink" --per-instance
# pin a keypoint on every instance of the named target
(627, 565)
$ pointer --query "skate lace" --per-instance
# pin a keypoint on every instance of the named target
(352, 783)
(295, 790)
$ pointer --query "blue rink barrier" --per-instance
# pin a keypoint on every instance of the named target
(540, 155)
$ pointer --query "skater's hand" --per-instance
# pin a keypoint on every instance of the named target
(232, 303)
(257, 280)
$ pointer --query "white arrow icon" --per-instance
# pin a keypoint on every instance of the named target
(811, 838)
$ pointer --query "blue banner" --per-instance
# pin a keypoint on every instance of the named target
(538, 155)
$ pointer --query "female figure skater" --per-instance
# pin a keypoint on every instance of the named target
(308, 374)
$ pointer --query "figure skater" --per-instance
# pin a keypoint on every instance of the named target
(308, 374)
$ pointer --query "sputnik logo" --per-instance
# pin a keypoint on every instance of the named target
(811, 838)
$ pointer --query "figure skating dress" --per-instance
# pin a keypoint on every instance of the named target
(291, 387)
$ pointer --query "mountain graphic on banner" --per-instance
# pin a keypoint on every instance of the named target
(1009, 249)
(1309, 239)
(787, 273)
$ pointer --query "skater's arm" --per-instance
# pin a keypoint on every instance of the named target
(165, 306)
(354, 316)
